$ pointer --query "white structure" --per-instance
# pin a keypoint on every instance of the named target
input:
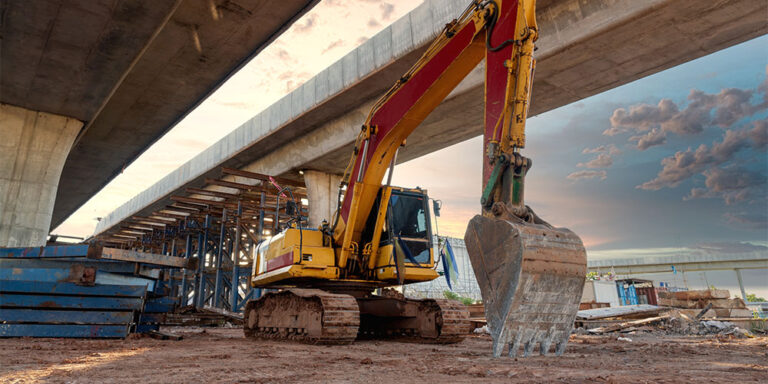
(466, 286)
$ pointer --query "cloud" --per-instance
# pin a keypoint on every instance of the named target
(308, 23)
(335, 44)
(578, 175)
(722, 109)
(386, 10)
(602, 160)
(373, 23)
(756, 220)
(729, 247)
(685, 164)
(733, 184)
(610, 149)
(653, 138)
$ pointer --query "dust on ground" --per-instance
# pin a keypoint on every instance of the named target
(223, 355)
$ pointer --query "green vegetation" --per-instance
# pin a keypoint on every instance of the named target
(455, 296)
(752, 297)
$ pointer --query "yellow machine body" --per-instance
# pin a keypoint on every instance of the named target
(299, 257)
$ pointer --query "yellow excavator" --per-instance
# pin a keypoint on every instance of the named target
(530, 274)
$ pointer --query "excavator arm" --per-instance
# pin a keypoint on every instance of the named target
(530, 274)
(502, 33)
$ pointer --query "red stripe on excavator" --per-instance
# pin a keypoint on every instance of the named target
(401, 102)
(280, 261)
(496, 76)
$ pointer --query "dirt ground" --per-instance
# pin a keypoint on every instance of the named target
(223, 355)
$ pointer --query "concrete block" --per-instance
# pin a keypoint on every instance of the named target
(365, 59)
(335, 78)
(321, 86)
(422, 26)
(402, 38)
(308, 90)
(382, 47)
(349, 70)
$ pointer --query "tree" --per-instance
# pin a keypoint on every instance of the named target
(751, 297)
(455, 296)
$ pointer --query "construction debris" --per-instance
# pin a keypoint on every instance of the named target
(628, 324)
(627, 311)
(717, 300)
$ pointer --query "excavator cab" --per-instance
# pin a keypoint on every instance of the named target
(404, 234)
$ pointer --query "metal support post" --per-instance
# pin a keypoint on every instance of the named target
(187, 255)
(741, 285)
(219, 257)
(202, 249)
(235, 282)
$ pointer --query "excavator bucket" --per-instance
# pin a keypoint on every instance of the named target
(531, 278)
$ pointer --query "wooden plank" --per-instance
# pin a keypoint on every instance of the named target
(201, 202)
(207, 192)
(73, 331)
(143, 257)
(69, 302)
(52, 316)
(258, 176)
(79, 250)
(236, 317)
(626, 310)
(628, 324)
(62, 288)
(165, 335)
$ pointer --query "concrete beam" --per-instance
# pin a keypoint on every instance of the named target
(683, 263)
(33, 147)
(585, 48)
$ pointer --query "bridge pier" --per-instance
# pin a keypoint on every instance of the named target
(33, 148)
(322, 192)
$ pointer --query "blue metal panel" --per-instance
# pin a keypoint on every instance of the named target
(632, 295)
(147, 318)
(51, 330)
(78, 302)
(102, 265)
(34, 274)
(160, 304)
(622, 293)
(115, 279)
(144, 328)
(50, 316)
(7, 286)
(80, 250)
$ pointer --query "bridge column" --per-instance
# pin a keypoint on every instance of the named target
(322, 192)
(33, 148)
(741, 285)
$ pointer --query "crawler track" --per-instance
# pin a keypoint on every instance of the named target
(307, 315)
(318, 317)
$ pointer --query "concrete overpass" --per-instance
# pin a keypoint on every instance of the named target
(694, 262)
(88, 85)
(585, 47)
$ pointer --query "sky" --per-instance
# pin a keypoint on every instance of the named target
(674, 163)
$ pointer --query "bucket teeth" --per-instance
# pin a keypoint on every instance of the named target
(531, 277)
